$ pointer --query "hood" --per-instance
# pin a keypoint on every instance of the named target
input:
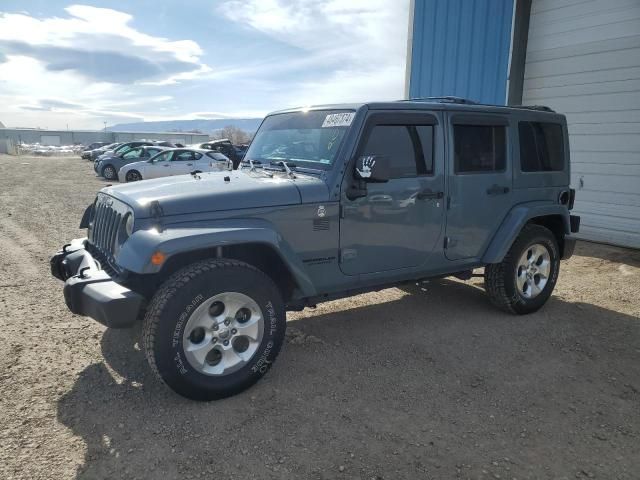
(185, 194)
(139, 165)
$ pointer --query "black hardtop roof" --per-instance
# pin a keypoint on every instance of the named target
(430, 103)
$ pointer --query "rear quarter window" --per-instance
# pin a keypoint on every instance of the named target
(541, 147)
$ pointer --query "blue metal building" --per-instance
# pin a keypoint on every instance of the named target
(461, 48)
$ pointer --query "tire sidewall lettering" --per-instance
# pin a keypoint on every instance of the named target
(178, 331)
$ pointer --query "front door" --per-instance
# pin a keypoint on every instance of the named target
(160, 167)
(480, 183)
(398, 223)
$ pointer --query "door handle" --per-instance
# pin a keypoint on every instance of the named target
(429, 195)
(190, 164)
(497, 190)
(167, 165)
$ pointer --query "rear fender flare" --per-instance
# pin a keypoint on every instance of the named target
(517, 218)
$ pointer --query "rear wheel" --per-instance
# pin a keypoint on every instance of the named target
(214, 329)
(525, 279)
(133, 176)
(109, 172)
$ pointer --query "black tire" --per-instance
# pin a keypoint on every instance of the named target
(178, 299)
(109, 172)
(133, 176)
(500, 278)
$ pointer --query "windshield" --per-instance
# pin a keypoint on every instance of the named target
(308, 139)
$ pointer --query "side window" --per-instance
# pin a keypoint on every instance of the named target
(479, 148)
(217, 156)
(541, 147)
(135, 153)
(163, 157)
(409, 148)
(197, 156)
(183, 157)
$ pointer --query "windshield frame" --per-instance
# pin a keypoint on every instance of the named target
(300, 164)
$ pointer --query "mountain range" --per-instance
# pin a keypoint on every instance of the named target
(249, 125)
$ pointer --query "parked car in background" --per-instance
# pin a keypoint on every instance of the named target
(123, 148)
(241, 150)
(225, 147)
(86, 151)
(94, 154)
(179, 161)
(109, 167)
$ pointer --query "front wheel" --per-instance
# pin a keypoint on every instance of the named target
(214, 328)
(524, 280)
(109, 172)
(133, 176)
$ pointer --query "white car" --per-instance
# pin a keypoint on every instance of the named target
(177, 161)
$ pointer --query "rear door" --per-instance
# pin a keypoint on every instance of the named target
(480, 182)
(183, 162)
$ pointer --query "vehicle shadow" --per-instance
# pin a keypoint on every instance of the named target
(425, 382)
(628, 256)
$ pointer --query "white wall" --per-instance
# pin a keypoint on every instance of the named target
(583, 60)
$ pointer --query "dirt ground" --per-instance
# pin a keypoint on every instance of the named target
(422, 382)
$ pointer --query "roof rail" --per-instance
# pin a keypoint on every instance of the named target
(444, 99)
(541, 108)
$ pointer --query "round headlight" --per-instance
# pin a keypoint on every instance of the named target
(128, 224)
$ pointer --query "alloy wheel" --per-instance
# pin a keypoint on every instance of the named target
(534, 268)
(223, 334)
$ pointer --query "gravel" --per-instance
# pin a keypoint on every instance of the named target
(424, 381)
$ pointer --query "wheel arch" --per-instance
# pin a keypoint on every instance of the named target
(260, 247)
(555, 217)
(108, 165)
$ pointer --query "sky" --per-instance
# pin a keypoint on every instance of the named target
(78, 65)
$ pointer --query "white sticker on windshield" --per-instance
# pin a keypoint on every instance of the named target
(338, 120)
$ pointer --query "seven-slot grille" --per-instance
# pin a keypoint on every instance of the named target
(106, 223)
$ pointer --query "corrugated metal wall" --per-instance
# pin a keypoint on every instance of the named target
(461, 48)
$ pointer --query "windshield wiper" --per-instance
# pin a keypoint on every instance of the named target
(252, 167)
(287, 167)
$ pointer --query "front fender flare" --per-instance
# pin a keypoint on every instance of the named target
(517, 217)
(135, 255)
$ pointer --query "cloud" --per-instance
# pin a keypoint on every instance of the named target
(357, 48)
(51, 104)
(99, 44)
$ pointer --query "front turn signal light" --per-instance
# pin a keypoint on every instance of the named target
(158, 258)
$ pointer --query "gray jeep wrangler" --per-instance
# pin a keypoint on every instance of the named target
(330, 201)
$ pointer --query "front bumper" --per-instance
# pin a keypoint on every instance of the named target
(89, 290)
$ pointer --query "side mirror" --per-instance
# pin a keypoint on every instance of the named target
(373, 168)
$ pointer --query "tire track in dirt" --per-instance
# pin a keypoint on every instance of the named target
(17, 247)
